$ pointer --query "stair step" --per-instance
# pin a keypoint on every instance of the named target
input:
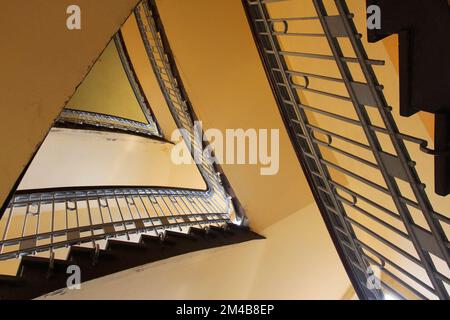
(35, 278)
(197, 232)
(221, 230)
(151, 240)
(154, 240)
(119, 244)
(173, 235)
(77, 250)
(79, 254)
(44, 263)
(232, 226)
(9, 279)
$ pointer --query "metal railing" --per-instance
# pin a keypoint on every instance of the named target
(165, 69)
(106, 121)
(364, 229)
(43, 221)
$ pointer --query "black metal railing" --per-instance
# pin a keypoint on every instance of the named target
(370, 219)
(40, 221)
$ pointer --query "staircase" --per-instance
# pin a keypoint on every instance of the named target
(37, 276)
(104, 230)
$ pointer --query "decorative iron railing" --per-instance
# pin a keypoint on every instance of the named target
(371, 221)
(43, 221)
(106, 121)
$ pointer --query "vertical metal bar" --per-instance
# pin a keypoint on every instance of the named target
(121, 215)
(107, 206)
(53, 220)
(99, 207)
(190, 211)
(153, 202)
(25, 219)
(8, 221)
(91, 225)
(168, 208)
(76, 210)
(204, 203)
(38, 214)
(147, 212)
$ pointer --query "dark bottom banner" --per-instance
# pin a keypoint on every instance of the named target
(208, 309)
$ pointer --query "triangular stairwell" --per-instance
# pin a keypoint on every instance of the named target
(107, 229)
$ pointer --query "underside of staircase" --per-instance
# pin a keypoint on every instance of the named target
(37, 276)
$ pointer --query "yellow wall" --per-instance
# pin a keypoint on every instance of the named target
(42, 63)
(81, 158)
(107, 90)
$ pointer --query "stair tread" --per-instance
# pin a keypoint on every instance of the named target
(179, 235)
(9, 278)
(221, 230)
(127, 244)
(78, 249)
(197, 231)
(237, 227)
(147, 239)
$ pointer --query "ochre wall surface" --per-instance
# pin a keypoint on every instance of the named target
(106, 89)
(83, 158)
